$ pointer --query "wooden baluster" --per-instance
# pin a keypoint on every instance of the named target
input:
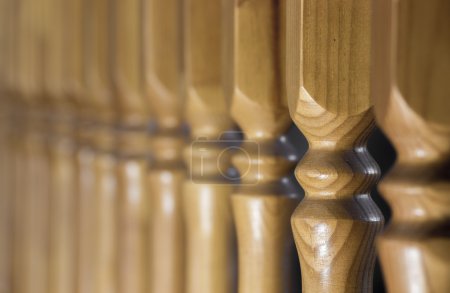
(163, 74)
(411, 45)
(31, 267)
(98, 113)
(7, 152)
(133, 147)
(74, 87)
(207, 207)
(334, 227)
(264, 202)
(63, 187)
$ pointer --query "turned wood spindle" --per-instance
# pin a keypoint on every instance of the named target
(411, 92)
(163, 85)
(328, 75)
(132, 110)
(98, 114)
(207, 208)
(31, 179)
(63, 173)
(265, 200)
(6, 146)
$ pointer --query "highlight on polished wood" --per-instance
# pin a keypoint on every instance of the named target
(329, 98)
(151, 146)
(265, 199)
(411, 92)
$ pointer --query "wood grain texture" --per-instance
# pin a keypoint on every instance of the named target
(263, 204)
(164, 90)
(207, 208)
(328, 57)
(411, 46)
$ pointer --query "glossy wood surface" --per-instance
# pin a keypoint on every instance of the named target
(411, 46)
(133, 116)
(98, 112)
(263, 203)
(207, 208)
(7, 152)
(163, 76)
(328, 87)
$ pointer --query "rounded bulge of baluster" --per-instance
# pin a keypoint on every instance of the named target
(337, 184)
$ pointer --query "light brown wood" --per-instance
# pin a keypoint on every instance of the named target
(62, 168)
(411, 46)
(127, 48)
(31, 184)
(133, 225)
(328, 74)
(207, 207)
(7, 155)
(263, 203)
(163, 77)
(98, 112)
(133, 116)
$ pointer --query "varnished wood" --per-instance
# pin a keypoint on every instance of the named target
(411, 45)
(31, 207)
(207, 208)
(132, 143)
(263, 204)
(7, 148)
(328, 74)
(98, 112)
(63, 173)
(163, 77)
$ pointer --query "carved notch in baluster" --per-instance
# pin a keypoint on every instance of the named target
(335, 225)
(265, 200)
(411, 91)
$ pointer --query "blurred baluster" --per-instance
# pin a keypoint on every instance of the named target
(328, 58)
(98, 121)
(32, 195)
(411, 91)
(133, 111)
(163, 77)
(63, 160)
(207, 208)
(6, 150)
(267, 196)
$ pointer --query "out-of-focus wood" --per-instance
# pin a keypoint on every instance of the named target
(98, 113)
(6, 147)
(163, 85)
(127, 62)
(411, 91)
(31, 203)
(328, 59)
(133, 115)
(207, 208)
(263, 204)
(133, 219)
(63, 173)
